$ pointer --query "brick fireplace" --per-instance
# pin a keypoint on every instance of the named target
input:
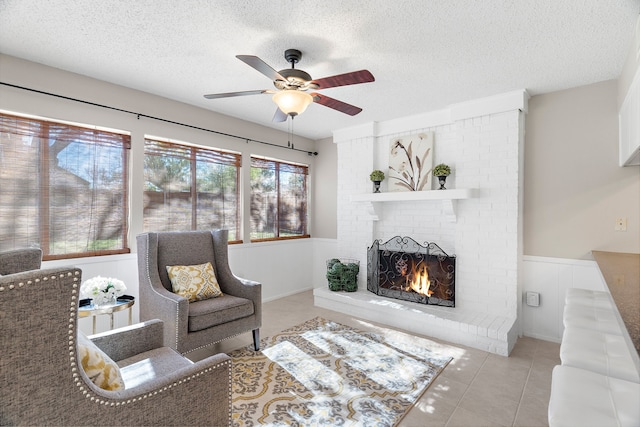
(479, 219)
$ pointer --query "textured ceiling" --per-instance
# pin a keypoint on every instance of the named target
(425, 55)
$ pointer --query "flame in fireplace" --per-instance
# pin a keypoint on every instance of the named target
(418, 280)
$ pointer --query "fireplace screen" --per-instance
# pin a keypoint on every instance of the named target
(403, 269)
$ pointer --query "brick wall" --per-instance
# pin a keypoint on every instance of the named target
(484, 153)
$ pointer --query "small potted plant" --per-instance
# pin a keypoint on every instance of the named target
(377, 176)
(442, 171)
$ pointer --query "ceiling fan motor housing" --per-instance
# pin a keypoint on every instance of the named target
(296, 79)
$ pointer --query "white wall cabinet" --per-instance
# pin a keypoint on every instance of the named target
(629, 122)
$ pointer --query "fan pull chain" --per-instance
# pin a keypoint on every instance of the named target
(290, 142)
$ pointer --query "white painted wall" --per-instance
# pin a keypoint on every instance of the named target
(284, 267)
(325, 182)
(574, 188)
(297, 266)
(123, 267)
(323, 250)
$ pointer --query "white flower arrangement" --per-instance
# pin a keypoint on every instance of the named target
(102, 289)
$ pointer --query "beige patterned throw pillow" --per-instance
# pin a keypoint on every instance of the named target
(99, 367)
(194, 282)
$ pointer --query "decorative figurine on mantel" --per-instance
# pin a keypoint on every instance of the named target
(377, 176)
(442, 171)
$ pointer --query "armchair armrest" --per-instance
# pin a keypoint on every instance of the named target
(218, 366)
(128, 341)
(169, 400)
(246, 288)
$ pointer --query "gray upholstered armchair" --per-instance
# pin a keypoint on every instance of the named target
(42, 381)
(18, 260)
(193, 325)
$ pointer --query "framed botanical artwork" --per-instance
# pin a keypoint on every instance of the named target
(411, 162)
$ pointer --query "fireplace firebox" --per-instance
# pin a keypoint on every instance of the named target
(403, 269)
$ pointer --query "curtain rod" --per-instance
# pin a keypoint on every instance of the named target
(138, 115)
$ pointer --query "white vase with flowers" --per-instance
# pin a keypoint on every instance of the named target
(102, 290)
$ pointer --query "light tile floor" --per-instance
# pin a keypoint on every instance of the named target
(476, 389)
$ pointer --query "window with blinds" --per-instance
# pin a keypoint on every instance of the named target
(190, 188)
(278, 199)
(63, 188)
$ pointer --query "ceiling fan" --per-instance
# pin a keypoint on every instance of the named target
(292, 85)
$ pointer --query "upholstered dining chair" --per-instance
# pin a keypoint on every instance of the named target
(195, 321)
(51, 375)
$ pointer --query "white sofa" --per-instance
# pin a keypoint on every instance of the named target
(584, 398)
(598, 382)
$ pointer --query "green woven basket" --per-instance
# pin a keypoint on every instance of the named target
(342, 274)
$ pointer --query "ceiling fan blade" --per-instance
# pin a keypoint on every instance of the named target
(232, 94)
(353, 78)
(343, 107)
(260, 65)
(279, 116)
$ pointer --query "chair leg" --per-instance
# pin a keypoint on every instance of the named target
(256, 339)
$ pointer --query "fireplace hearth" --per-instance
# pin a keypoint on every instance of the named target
(403, 269)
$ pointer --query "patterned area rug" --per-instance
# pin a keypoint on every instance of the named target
(322, 373)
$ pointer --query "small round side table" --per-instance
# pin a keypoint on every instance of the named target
(87, 309)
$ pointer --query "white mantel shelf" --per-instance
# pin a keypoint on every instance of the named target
(373, 201)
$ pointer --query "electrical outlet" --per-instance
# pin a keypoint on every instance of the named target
(621, 224)
(533, 299)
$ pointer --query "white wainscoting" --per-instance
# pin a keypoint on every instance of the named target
(288, 267)
(123, 267)
(323, 250)
(283, 267)
(551, 277)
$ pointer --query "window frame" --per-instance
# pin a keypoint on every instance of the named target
(277, 169)
(43, 130)
(212, 152)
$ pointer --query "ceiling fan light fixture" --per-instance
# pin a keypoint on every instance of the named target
(292, 102)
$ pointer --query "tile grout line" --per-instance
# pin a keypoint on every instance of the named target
(467, 389)
(536, 356)
(515, 417)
